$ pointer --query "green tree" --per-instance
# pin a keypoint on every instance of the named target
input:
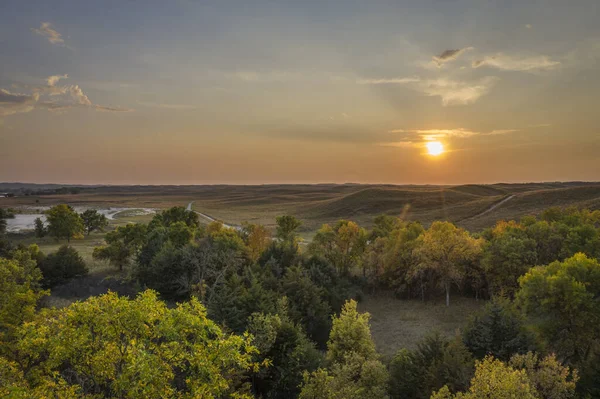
(93, 221)
(64, 222)
(444, 249)
(287, 227)
(400, 259)
(20, 292)
(354, 369)
(288, 350)
(173, 215)
(111, 346)
(180, 234)
(122, 244)
(561, 299)
(62, 265)
(343, 245)
(40, 229)
(434, 363)
(507, 255)
(498, 330)
(350, 332)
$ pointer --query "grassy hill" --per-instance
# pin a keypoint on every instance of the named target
(473, 206)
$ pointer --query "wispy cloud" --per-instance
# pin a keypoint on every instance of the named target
(452, 92)
(449, 55)
(418, 137)
(500, 131)
(49, 33)
(403, 80)
(512, 63)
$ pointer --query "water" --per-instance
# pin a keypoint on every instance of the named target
(23, 222)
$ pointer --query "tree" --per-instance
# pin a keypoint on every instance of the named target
(400, 259)
(343, 245)
(434, 363)
(355, 371)
(548, 376)
(20, 292)
(561, 299)
(307, 305)
(40, 229)
(507, 255)
(64, 222)
(111, 346)
(5, 214)
(62, 265)
(122, 244)
(257, 238)
(180, 234)
(350, 332)
(443, 249)
(93, 221)
(498, 330)
(286, 229)
(173, 215)
(288, 350)
(494, 380)
(356, 378)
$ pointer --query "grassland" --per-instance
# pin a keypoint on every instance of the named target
(397, 324)
(464, 205)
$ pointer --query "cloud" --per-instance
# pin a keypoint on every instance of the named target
(49, 33)
(12, 103)
(510, 63)
(501, 131)
(417, 137)
(453, 92)
(436, 134)
(412, 79)
(50, 97)
(111, 109)
(52, 80)
(449, 55)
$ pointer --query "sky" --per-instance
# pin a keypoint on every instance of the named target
(328, 91)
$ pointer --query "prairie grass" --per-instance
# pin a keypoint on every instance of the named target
(397, 323)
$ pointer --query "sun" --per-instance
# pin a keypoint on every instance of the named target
(434, 148)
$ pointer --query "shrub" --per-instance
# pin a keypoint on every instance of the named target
(62, 265)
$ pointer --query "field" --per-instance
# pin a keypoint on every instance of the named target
(471, 206)
(397, 324)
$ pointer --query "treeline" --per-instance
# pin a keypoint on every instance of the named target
(263, 316)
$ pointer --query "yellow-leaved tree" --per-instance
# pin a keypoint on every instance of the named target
(111, 346)
(444, 249)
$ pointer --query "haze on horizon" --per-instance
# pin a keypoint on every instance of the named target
(250, 92)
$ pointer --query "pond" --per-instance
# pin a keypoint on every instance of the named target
(26, 221)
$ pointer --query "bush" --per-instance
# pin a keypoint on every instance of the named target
(62, 265)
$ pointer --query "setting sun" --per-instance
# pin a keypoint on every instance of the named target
(434, 148)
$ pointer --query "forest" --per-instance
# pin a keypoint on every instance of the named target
(253, 312)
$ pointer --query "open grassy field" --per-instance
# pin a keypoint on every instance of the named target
(397, 324)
